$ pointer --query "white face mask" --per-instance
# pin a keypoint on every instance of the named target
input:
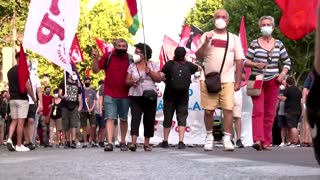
(220, 23)
(266, 30)
(282, 87)
(136, 58)
(74, 77)
(55, 95)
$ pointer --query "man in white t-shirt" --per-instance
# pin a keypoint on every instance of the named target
(212, 49)
(31, 124)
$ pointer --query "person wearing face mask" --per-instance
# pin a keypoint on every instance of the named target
(141, 77)
(263, 56)
(45, 115)
(71, 106)
(88, 113)
(116, 103)
(177, 74)
(55, 120)
(35, 108)
(221, 52)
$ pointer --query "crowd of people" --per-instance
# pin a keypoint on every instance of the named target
(129, 83)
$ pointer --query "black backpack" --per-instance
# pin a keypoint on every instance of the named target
(180, 76)
(109, 58)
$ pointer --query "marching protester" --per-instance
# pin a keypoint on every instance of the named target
(237, 111)
(19, 106)
(3, 114)
(219, 51)
(263, 56)
(71, 106)
(100, 121)
(45, 115)
(88, 113)
(55, 119)
(34, 108)
(116, 102)
(305, 132)
(141, 77)
(177, 74)
(292, 108)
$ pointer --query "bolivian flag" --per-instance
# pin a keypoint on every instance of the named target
(132, 21)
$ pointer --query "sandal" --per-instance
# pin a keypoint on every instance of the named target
(132, 147)
(257, 146)
(147, 148)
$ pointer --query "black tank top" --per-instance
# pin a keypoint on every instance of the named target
(56, 111)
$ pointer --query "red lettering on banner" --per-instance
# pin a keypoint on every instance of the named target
(173, 124)
(54, 9)
(53, 28)
(61, 58)
(156, 122)
(187, 129)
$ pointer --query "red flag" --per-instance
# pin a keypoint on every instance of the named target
(103, 46)
(88, 72)
(298, 17)
(244, 43)
(75, 51)
(162, 57)
(23, 72)
(169, 46)
(190, 37)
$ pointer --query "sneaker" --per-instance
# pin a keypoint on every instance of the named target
(292, 145)
(108, 147)
(123, 147)
(73, 145)
(94, 145)
(132, 147)
(85, 145)
(117, 144)
(33, 146)
(10, 146)
(232, 142)
(181, 145)
(22, 148)
(282, 144)
(164, 144)
(101, 144)
(228, 146)
(208, 146)
(67, 145)
(239, 143)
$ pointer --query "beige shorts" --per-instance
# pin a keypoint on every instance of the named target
(223, 99)
(19, 109)
(237, 107)
(57, 123)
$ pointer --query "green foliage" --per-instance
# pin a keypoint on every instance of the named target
(301, 52)
(105, 20)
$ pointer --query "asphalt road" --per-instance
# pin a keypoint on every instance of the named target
(191, 163)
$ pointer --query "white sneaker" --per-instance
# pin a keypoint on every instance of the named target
(10, 145)
(228, 146)
(117, 144)
(282, 144)
(209, 141)
(22, 148)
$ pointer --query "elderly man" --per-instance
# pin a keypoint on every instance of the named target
(219, 51)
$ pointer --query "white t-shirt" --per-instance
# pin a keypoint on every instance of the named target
(35, 81)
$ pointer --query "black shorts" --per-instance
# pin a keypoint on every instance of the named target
(32, 111)
(292, 120)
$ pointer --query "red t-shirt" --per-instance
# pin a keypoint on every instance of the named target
(46, 100)
(115, 75)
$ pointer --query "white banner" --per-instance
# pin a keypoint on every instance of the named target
(50, 29)
(195, 130)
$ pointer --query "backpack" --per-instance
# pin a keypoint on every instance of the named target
(130, 59)
(180, 76)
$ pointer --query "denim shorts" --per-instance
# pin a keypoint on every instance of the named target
(116, 108)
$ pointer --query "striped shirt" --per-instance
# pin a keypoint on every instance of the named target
(259, 55)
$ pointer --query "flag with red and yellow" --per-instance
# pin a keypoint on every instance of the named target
(131, 11)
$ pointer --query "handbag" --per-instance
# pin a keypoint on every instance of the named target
(213, 80)
(148, 94)
(255, 81)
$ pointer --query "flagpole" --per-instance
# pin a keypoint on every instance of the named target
(144, 37)
(85, 20)
(14, 35)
